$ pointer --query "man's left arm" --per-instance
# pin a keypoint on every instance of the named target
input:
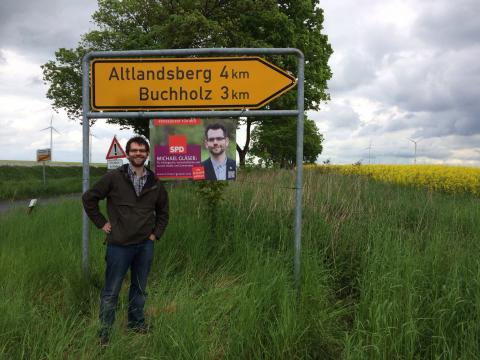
(161, 212)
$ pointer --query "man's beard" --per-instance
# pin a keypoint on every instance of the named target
(215, 152)
(135, 161)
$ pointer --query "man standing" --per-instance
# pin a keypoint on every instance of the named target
(137, 207)
(218, 166)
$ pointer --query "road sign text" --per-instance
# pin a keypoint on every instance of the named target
(186, 83)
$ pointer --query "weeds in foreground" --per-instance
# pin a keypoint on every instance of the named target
(387, 272)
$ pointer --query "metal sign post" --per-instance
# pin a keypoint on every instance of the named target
(205, 72)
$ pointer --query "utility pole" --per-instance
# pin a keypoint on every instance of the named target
(51, 137)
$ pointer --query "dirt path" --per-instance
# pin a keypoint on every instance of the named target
(6, 205)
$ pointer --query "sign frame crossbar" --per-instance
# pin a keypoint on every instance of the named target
(298, 112)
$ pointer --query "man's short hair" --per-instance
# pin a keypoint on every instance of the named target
(216, 126)
(139, 140)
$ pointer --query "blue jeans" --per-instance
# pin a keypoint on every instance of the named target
(119, 259)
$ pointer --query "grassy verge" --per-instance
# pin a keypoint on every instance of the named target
(388, 272)
(48, 163)
(21, 182)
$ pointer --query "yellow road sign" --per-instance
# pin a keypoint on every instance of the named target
(44, 155)
(186, 83)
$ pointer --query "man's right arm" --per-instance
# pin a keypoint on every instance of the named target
(92, 197)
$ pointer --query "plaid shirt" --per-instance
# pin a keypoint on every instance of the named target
(138, 182)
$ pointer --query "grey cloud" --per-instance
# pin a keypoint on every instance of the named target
(399, 123)
(400, 150)
(37, 28)
(395, 151)
(29, 89)
(449, 24)
(462, 142)
(36, 80)
(440, 83)
(339, 117)
(344, 153)
(363, 49)
(442, 90)
(101, 133)
(431, 73)
(352, 71)
(461, 148)
(453, 122)
(9, 133)
(437, 153)
(441, 148)
(357, 66)
(370, 129)
(414, 84)
(402, 154)
(469, 157)
(467, 125)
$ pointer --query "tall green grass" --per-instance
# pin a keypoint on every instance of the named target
(388, 272)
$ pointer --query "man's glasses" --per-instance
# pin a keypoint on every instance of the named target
(212, 139)
(138, 150)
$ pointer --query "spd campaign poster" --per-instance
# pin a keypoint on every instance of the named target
(193, 148)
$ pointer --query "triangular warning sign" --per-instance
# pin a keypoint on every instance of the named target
(115, 151)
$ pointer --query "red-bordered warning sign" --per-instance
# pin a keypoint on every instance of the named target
(115, 151)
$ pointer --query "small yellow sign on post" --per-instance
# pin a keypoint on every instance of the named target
(44, 155)
(185, 83)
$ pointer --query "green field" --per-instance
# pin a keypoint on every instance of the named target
(48, 163)
(22, 182)
(388, 272)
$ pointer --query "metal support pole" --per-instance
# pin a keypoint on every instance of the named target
(44, 178)
(299, 181)
(186, 114)
(86, 165)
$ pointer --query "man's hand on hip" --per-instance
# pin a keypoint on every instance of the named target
(152, 237)
(107, 228)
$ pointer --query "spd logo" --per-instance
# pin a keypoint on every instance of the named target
(177, 144)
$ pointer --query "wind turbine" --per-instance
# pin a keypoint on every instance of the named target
(369, 150)
(90, 145)
(51, 136)
(415, 153)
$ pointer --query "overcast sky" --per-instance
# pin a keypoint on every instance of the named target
(401, 69)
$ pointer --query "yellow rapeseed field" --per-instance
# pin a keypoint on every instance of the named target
(452, 179)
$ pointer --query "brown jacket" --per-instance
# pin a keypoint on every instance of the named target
(133, 218)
